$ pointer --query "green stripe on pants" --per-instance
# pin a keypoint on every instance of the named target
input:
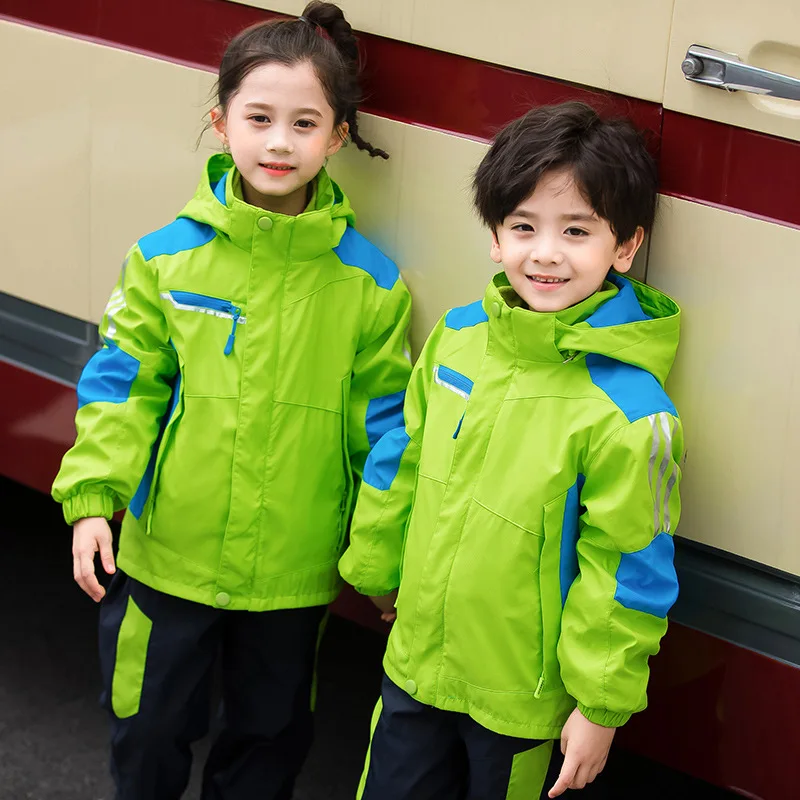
(132, 642)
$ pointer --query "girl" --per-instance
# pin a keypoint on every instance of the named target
(254, 352)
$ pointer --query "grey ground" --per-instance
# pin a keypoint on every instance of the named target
(53, 734)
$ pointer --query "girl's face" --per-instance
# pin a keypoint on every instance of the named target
(280, 129)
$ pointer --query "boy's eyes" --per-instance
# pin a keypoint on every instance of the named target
(524, 227)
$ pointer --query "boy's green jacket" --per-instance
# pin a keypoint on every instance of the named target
(251, 360)
(526, 510)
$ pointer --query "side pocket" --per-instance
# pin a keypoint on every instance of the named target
(129, 665)
(556, 562)
(349, 481)
(175, 413)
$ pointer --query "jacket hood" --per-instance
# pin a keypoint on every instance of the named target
(626, 320)
(319, 227)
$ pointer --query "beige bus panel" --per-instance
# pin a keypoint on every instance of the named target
(736, 381)
(45, 138)
(764, 35)
(618, 45)
(146, 164)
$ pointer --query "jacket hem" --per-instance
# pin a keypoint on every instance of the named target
(208, 596)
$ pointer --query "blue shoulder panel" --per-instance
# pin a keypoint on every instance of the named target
(465, 316)
(107, 377)
(384, 414)
(636, 391)
(569, 538)
(183, 234)
(357, 251)
(619, 310)
(646, 580)
(384, 459)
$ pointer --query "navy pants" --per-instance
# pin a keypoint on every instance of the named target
(157, 654)
(422, 753)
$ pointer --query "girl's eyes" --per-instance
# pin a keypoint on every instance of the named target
(262, 119)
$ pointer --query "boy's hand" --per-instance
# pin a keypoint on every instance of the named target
(89, 536)
(585, 746)
(386, 603)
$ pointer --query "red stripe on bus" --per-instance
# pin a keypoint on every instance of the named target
(709, 162)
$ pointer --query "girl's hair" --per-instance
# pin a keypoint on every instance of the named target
(321, 37)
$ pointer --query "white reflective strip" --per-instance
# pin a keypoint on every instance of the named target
(407, 354)
(212, 312)
(442, 382)
(673, 477)
(651, 466)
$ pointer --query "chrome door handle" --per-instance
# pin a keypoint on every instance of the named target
(728, 71)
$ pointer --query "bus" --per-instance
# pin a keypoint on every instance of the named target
(102, 108)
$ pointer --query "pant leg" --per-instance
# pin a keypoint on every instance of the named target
(415, 752)
(156, 655)
(504, 767)
(269, 664)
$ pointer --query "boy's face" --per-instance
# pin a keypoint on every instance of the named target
(554, 248)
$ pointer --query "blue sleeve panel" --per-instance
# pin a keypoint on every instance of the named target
(383, 462)
(646, 580)
(383, 415)
(108, 376)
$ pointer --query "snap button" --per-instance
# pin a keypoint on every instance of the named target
(222, 598)
(265, 223)
(411, 686)
(496, 310)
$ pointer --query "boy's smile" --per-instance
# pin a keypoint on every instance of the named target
(555, 250)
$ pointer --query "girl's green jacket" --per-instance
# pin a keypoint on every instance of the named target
(526, 510)
(251, 360)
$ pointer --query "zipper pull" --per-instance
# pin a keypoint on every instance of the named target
(237, 312)
(539, 686)
(455, 435)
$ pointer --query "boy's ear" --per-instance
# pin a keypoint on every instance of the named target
(218, 125)
(623, 259)
(494, 251)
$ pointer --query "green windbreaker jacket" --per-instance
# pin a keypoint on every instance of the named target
(251, 360)
(526, 510)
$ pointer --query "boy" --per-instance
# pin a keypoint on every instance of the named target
(526, 509)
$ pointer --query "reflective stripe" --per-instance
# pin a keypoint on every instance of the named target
(670, 485)
(653, 455)
(662, 425)
(214, 310)
(452, 380)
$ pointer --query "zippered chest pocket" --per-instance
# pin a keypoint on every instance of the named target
(213, 306)
(204, 330)
(447, 407)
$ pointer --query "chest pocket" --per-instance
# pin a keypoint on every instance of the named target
(447, 406)
(204, 330)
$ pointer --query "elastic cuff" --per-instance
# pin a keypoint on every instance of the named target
(90, 504)
(601, 716)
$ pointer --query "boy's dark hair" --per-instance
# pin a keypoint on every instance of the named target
(607, 157)
(322, 37)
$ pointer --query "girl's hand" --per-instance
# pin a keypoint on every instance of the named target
(89, 536)
(585, 746)
(386, 604)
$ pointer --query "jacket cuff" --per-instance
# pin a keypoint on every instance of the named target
(89, 504)
(353, 573)
(601, 716)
